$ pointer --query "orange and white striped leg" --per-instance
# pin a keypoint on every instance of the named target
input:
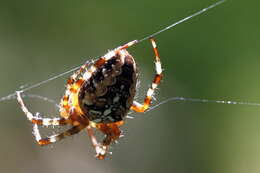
(74, 83)
(127, 45)
(54, 138)
(74, 76)
(101, 150)
(112, 133)
(156, 81)
(36, 119)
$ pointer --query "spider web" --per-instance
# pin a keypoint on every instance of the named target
(175, 99)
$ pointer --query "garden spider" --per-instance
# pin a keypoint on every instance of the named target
(98, 95)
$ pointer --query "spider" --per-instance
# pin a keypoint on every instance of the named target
(98, 95)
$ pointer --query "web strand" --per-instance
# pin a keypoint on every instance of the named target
(34, 96)
(12, 95)
(183, 20)
(172, 99)
(175, 99)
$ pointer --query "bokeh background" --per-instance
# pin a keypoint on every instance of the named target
(215, 56)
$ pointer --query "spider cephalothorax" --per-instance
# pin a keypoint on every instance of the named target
(98, 95)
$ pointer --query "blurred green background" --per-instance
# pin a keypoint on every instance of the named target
(215, 55)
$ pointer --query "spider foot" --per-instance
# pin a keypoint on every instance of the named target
(101, 151)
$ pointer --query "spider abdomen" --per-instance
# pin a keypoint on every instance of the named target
(108, 95)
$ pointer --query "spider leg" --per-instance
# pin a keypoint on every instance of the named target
(112, 133)
(73, 77)
(37, 119)
(101, 150)
(156, 81)
(54, 138)
(127, 45)
(74, 83)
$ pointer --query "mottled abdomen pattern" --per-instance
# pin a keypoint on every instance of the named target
(108, 95)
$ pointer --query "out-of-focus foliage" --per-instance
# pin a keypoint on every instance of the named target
(215, 55)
